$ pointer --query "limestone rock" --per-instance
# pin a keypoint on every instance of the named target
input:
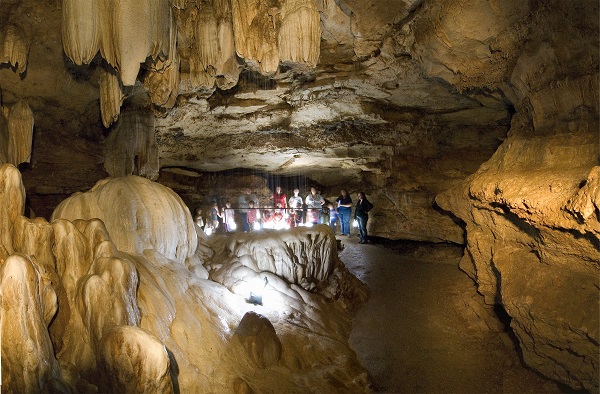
(27, 354)
(14, 47)
(464, 42)
(126, 351)
(111, 97)
(298, 255)
(256, 26)
(151, 217)
(20, 133)
(536, 252)
(257, 336)
(131, 147)
(80, 30)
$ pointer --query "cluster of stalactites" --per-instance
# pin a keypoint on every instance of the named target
(14, 47)
(208, 35)
(125, 32)
(16, 133)
(267, 33)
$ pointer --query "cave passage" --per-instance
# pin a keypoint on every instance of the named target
(425, 329)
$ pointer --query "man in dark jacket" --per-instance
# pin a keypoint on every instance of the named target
(361, 214)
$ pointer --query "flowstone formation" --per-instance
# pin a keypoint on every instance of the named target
(111, 305)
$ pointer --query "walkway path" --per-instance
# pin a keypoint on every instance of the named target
(426, 330)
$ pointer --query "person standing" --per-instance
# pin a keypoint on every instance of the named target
(314, 205)
(228, 218)
(333, 216)
(253, 216)
(279, 198)
(243, 205)
(295, 205)
(361, 214)
(344, 210)
(215, 214)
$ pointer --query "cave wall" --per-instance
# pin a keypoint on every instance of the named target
(532, 211)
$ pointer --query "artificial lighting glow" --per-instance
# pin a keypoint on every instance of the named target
(257, 286)
(233, 226)
(256, 226)
(355, 223)
(208, 230)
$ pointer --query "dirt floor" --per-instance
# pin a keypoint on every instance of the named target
(426, 330)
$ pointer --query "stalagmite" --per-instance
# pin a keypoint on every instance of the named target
(111, 97)
(255, 27)
(129, 351)
(20, 133)
(28, 363)
(300, 33)
(131, 146)
(14, 48)
(136, 200)
(80, 30)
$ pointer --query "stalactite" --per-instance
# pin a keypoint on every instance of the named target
(300, 33)
(163, 86)
(179, 4)
(227, 66)
(80, 30)
(111, 97)
(133, 31)
(208, 32)
(255, 25)
(14, 48)
(163, 29)
(162, 81)
(131, 147)
(20, 133)
(105, 16)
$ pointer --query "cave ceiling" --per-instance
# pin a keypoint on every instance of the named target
(373, 94)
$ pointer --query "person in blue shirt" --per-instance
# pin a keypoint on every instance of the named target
(344, 210)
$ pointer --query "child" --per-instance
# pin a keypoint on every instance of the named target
(215, 215)
(332, 216)
(198, 218)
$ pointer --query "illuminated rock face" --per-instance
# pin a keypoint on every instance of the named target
(82, 313)
(532, 212)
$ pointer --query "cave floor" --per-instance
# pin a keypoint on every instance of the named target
(424, 328)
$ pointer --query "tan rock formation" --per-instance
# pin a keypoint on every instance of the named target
(531, 222)
(111, 97)
(131, 322)
(20, 133)
(14, 47)
(81, 30)
(131, 148)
